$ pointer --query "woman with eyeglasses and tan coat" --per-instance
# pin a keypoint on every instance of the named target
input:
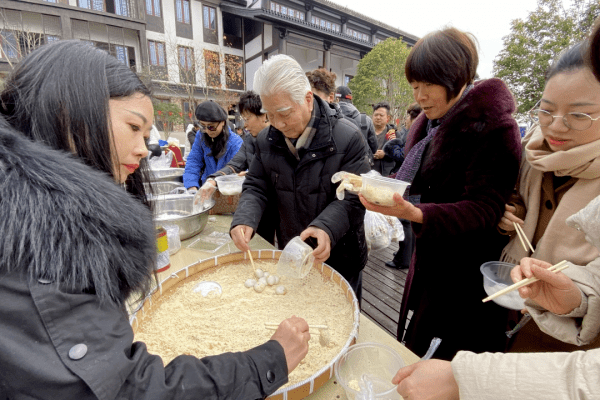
(560, 174)
(214, 146)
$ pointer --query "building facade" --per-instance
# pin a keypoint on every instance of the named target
(196, 50)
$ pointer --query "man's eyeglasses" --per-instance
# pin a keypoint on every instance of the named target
(211, 127)
(573, 120)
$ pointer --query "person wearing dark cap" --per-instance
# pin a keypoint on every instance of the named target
(214, 146)
(343, 96)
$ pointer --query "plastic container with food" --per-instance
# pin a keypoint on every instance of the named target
(380, 190)
(496, 276)
(230, 185)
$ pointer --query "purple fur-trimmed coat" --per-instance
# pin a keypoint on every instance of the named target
(466, 177)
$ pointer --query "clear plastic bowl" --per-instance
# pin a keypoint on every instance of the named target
(366, 370)
(230, 185)
(296, 259)
(380, 190)
(496, 276)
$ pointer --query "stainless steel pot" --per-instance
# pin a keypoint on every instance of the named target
(177, 209)
(165, 187)
(166, 174)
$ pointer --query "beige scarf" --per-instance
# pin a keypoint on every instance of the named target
(559, 241)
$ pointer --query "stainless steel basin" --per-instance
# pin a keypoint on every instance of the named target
(163, 187)
(165, 174)
(177, 209)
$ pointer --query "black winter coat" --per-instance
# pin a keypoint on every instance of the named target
(242, 159)
(303, 191)
(75, 246)
(241, 162)
(465, 179)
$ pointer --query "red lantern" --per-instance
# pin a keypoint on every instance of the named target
(190, 115)
(170, 113)
(181, 114)
(159, 112)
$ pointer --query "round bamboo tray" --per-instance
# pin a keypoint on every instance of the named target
(297, 391)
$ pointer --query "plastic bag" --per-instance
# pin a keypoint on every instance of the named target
(161, 162)
(377, 231)
(396, 229)
(173, 238)
(204, 198)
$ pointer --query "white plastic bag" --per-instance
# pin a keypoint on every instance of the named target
(396, 229)
(377, 231)
(164, 161)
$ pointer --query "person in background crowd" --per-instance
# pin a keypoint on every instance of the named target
(256, 121)
(322, 83)
(560, 174)
(190, 133)
(343, 96)
(395, 150)
(239, 129)
(214, 146)
(77, 247)
(308, 141)
(384, 132)
(462, 160)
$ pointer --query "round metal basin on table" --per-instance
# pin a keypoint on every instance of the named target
(166, 174)
(178, 209)
(163, 187)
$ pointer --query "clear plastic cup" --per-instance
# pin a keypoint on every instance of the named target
(366, 370)
(296, 259)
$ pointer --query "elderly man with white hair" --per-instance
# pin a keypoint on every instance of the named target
(307, 143)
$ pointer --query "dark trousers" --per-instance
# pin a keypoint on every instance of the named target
(406, 247)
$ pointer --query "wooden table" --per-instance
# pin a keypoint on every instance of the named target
(368, 331)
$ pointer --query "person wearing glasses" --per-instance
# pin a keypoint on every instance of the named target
(214, 146)
(566, 304)
(560, 174)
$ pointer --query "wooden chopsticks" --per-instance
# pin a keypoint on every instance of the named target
(275, 325)
(249, 253)
(522, 237)
(555, 268)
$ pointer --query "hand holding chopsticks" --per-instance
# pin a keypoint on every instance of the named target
(522, 237)
(555, 268)
(249, 252)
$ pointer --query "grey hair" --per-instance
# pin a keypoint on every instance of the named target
(282, 74)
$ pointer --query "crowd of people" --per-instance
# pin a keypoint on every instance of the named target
(78, 238)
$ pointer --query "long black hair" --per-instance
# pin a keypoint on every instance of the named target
(59, 95)
(218, 145)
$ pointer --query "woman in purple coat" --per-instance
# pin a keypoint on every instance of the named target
(462, 158)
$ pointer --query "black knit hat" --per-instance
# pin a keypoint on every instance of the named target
(343, 93)
(209, 111)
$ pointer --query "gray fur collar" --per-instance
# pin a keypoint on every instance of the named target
(63, 221)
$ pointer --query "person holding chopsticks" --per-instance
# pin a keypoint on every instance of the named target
(560, 174)
(462, 158)
(572, 313)
(566, 306)
(79, 244)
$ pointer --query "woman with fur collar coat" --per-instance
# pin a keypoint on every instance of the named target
(464, 164)
(76, 246)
